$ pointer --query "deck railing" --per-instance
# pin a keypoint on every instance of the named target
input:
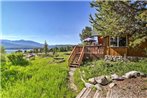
(71, 57)
(92, 50)
(81, 56)
(76, 50)
(98, 50)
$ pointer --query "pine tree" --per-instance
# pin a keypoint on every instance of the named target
(118, 18)
(86, 32)
(45, 48)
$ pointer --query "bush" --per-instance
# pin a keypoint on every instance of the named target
(17, 59)
(2, 58)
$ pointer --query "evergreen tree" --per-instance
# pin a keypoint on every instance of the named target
(2, 50)
(86, 32)
(45, 48)
(119, 18)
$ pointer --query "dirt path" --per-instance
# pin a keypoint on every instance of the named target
(71, 79)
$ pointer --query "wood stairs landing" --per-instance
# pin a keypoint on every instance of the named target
(89, 93)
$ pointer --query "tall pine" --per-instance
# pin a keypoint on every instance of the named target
(45, 47)
(118, 18)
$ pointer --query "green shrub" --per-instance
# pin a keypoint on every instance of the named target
(17, 59)
(120, 68)
(2, 58)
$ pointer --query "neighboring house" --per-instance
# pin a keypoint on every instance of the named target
(106, 45)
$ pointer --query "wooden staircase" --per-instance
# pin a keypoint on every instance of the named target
(79, 52)
(76, 56)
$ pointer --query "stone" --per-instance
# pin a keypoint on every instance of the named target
(89, 85)
(102, 80)
(111, 85)
(92, 80)
(133, 74)
(98, 87)
(116, 77)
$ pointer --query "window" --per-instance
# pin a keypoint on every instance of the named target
(118, 41)
(122, 41)
(113, 41)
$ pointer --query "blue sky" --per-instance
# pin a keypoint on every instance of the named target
(56, 22)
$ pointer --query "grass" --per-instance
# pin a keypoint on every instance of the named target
(77, 80)
(42, 78)
(103, 68)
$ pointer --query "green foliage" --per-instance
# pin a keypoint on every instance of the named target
(77, 80)
(86, 32)
(120, 18)
(45, 48)
(42, 79)
(61, 49)
(17, 59)
(120, 68)
(2, 55)
(2, 58)
(2, 50)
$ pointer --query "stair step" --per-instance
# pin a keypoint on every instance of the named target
(97, 94)
(109, 94)
(81, 93)
(90, 95)
(86, 93)
(75, 60)
(73, 65)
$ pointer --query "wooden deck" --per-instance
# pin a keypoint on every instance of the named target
(79, 53)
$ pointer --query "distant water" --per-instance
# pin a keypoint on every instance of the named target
(8, 51)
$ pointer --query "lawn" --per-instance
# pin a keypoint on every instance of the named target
(42, 78)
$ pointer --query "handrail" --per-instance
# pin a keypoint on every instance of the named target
(81, 56)
(82, 50)
(72, 53)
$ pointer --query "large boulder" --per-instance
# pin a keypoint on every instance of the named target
(102, 80)
(133, 74)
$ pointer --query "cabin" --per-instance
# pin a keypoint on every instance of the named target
(106, 46)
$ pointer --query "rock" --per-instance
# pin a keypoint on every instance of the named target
(133, 74)
(98, 87)
(89, 85)
(111, 85)
(144, 75)
(92, 80)
(120, 79)
(116, 77)
(102, 80)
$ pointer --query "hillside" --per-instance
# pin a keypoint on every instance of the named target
(20, 44)
(25, 44)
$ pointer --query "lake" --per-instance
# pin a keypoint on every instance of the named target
(8, 51)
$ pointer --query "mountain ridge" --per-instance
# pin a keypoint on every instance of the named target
(24, 44)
